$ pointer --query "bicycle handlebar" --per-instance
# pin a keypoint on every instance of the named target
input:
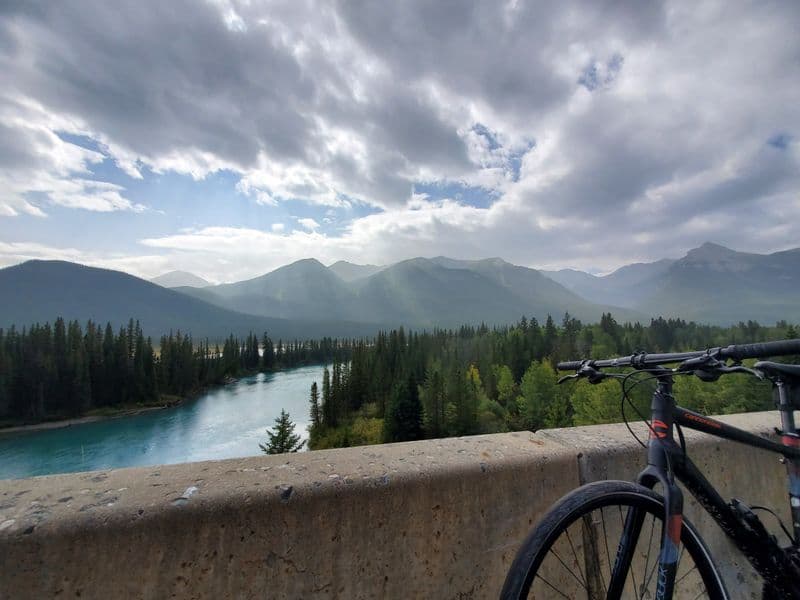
(735, 352)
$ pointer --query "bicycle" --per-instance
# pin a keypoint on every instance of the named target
(548, 562)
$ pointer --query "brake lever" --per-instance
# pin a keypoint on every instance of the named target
(590, 373)
(706, 362)
(742, 369)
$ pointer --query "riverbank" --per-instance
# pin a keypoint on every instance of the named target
(228, 421)
(105, 413)
(75, 421)
(100, 414)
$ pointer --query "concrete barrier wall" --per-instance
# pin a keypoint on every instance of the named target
(438, 518)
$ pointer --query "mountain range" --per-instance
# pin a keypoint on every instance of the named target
(420, 292)
(39, 291)
(711, 284)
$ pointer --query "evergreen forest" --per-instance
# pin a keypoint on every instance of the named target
(400, 385)
(407, 386)
(63, 370)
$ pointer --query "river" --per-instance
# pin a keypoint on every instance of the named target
(226, 422)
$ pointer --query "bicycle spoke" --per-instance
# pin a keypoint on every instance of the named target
(646, 582)
(553, 587)
(568, 569)
(655, 565)
(680, 557)
(605, 538)
(685, 575)
(575, 555)
(631, 574)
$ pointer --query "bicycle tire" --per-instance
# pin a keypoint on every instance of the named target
(579, 505)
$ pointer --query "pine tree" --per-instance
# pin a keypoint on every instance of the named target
(403, 420)
(282, 438)
(268, 353)
(550, 337)
(316, 413)
(433, 402)
(328, 410)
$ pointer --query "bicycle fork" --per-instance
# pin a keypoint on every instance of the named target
(657, 471)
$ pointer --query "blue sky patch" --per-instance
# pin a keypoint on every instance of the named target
(469, 195)
(599, 75)
(780, 141)
(173, 202)
(487, 134)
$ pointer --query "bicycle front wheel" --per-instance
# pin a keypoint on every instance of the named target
(574, 551)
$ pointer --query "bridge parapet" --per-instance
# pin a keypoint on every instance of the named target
(436, 518)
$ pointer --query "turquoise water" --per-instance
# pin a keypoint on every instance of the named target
(227, 422)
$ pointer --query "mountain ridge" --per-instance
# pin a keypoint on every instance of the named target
(711, 283)
(417, 292)
(173, 279)
(40, 291)
(348, 271)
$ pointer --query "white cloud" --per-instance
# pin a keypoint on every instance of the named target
(602, 132)
(146, 266)
(36, 163)
(308, 223)
(278, 227)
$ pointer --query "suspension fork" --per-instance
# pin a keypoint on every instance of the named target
(660, 450)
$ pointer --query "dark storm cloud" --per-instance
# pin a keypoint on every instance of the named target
(502, 53)
(162, 76)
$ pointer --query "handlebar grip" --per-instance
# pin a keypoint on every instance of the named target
(572, 365)
(766, 349)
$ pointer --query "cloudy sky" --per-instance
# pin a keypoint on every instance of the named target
(227, 138)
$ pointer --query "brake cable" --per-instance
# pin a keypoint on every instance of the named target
(777, 518)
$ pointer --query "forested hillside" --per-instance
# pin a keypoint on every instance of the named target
(406, 386)
(399, 385)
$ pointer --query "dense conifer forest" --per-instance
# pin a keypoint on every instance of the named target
(396, 386)
(407, 386)
(63, 370)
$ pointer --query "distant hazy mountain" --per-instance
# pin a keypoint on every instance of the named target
(175, 279)
(305, 299)
(417, 293)
(711, 284)
(624, 287)
(448, 292)
(348, 271)
(305, 289)
(43, 290)
(717, 285)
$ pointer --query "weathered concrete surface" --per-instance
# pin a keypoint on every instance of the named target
(439, 518)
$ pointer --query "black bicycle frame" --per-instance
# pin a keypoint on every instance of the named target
(666, 459)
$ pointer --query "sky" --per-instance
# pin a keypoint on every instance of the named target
(227, 138)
